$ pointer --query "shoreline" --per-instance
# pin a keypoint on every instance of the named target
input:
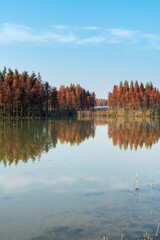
(108, 114)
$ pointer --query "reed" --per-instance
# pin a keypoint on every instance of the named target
(136, 185)
(156, 235)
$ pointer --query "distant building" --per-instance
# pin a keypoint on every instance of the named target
(99, 107)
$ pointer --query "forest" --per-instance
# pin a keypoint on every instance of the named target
(24, 95)
(134, 97)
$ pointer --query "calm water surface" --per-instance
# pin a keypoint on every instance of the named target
(75, 180)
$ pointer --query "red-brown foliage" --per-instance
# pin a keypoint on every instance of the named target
(134, 97)
(24, 95)
(101, 102)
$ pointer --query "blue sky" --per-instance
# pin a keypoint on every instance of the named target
(96, 43)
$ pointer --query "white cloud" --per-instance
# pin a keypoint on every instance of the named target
(60, 26)
(152, 37)
(153, 40)
(95, 39)
(62, 38)
(91, 28)
(17, 33)
(122, 32)
(11, 33)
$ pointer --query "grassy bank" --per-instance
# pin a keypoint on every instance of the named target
(120, 112)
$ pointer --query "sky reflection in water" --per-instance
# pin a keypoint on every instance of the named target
(71, 179)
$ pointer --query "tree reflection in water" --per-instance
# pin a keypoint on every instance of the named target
(25, 140)
(134, 134)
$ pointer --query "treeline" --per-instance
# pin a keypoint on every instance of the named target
(101, 102)
(24, 95)
(24, 140)
(134, 97)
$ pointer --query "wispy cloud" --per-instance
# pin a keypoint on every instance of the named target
(61, 26)
(122, 32)
(62, 38)
(17, 33)
(91, 28)
(11, 33)
(153, 40)
(94, 39)
(153, 37)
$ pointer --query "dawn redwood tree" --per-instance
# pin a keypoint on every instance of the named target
(16, 89)
(62, 98)
(8, 96)
(47, 90)
(54, 98)
(78, 97)
(135, 97)
(23, 95)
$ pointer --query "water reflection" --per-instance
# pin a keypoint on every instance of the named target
(134, 133)
(24, 140)
(85, 197)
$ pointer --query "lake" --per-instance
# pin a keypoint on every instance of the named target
(75, 179)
